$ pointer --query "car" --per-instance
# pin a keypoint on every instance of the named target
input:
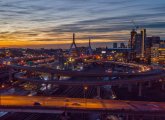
(76, 104)
(37, 104)
(108, 71)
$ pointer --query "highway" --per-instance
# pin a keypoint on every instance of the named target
(83, 73)
(85, 78)
(94, 81)
(94, 77)
(60, 104)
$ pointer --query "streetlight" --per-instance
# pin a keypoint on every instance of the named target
(0, 96)
(1, 87)
(85, 100)
(85, 89)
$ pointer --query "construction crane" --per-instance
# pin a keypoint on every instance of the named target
(136, 27)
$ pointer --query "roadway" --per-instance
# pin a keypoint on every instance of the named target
(81, 73)
(94, 81)
(60, 104)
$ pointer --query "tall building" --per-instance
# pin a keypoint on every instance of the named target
(158, 53)
(152, 40)
(140, 44)
(162, 43)
(147, 49)
(132, 40)
(149, 43)
(161, 55)
(131, 44)
(155, 54)
(122, 45)
(160, 58)
(143, 32)
(137, 48)
(114, 45)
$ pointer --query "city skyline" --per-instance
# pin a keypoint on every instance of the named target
(50, 23)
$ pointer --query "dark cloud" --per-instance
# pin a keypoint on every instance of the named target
(109, 24)
(155, 25)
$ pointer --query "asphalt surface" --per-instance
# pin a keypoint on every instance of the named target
(81, 103)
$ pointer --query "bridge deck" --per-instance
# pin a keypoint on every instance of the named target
(61, 103)
(94, 81)
(81, 73)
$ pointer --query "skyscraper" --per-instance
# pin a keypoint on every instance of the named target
(143, 33)
(149, 43)
(132, 40)
(140, 43)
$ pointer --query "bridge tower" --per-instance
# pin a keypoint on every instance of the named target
(90, 51)
(73, 48)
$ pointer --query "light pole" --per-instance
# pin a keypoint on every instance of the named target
(1, 87)
(85, 100)
(85, 89)
(0, 96)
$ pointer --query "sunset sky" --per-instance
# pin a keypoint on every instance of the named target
(50, 23)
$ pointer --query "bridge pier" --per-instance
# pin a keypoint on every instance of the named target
(126, 69)
(129, 88)
(140, 90)
(46, 87)
(133, 118)
(163, 85)
(136, 83)
(52, 76)
(120, 85)
(58, 77)
(98, 92)
(64, 116)
(149, 84)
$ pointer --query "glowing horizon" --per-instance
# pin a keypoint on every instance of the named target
(46, 23)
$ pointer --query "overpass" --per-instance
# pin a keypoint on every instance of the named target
(95, 78)
(27, 58)
(94, 81)
(61, 104)
(99, 82)
(56, 104)
(92, 78)
(79, 73)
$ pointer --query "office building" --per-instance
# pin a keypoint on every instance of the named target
(132, 40)
(122, 45)
(114, 45)
(149, 43)
(140, 44)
